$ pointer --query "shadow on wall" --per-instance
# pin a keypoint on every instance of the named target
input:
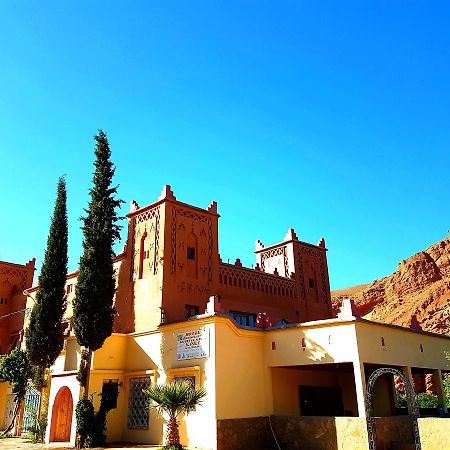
(124, 321)
(314, 351)
(138, 358)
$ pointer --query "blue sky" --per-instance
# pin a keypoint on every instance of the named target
(329, 117)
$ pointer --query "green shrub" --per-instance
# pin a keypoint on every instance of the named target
(85, 414)
(91, 425)
(425, 400)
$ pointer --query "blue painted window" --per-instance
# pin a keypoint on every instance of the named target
(243, 319)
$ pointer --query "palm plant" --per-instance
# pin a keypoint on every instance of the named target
(173, 399)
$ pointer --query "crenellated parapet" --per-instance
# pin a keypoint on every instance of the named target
(238, 277)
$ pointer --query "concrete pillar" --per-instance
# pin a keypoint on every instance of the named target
(408, 375)
(360, 385)
(439, 385)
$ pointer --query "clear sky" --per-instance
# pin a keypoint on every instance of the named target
(328, 117)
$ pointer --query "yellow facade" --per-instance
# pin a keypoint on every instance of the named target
(244, 374)
(281, 349)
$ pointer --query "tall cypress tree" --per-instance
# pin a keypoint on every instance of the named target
(93, 309)
(44, 336)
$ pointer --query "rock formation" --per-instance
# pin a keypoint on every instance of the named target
(417, 295)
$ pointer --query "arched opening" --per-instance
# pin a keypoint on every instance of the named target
(142, 255)
(61, 422)
(412, 405)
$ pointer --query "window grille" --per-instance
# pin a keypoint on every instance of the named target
(138, 404)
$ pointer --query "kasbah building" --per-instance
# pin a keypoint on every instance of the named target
(262, 341)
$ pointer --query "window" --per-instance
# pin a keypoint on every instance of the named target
(321, 401)
(190, 374)
(191, 310)
(243, 319)
(138, 404)
(110, 392)
(187, 379)
(191, 253)
(69, 288)
(311, 283)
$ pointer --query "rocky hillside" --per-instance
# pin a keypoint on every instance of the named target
(416, 295)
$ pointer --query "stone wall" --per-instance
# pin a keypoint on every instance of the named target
(321, 433)
(393, 428)
(293, 433)
(434, 433)
(242, 434)
(328, 433)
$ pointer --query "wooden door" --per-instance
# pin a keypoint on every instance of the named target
(62, 416)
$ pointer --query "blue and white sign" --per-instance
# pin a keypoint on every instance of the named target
(193, 344)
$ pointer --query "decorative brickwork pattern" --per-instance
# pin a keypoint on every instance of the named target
(316, 254)
(240, 277)
(22, 274)
(197, 217)
(153, 213)
(279, 251)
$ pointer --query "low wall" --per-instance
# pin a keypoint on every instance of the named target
(321, 433)
(328, 433)
(434, 433)
(242, 434)
(393, 428)
(293, 433)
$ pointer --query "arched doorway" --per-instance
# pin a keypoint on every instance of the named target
(412, 405)
(62, 416)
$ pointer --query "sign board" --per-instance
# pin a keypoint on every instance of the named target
(193, 344)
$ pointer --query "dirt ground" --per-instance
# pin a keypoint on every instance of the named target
(19, 443)
(22, 444)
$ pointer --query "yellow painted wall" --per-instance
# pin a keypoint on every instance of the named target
(243, 375)
(114, 418)
(324, 344)
(158, 350)
(112, 356)
(5, 389)
(242, 378)
(402, 347)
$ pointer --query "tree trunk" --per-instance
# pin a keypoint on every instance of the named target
(85, 388)
(174, 433)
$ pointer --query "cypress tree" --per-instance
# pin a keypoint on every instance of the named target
(93, 309)
(44, 336)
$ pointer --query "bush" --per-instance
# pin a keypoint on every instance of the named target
(84, 413)
(91, 425)
(425, 400)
